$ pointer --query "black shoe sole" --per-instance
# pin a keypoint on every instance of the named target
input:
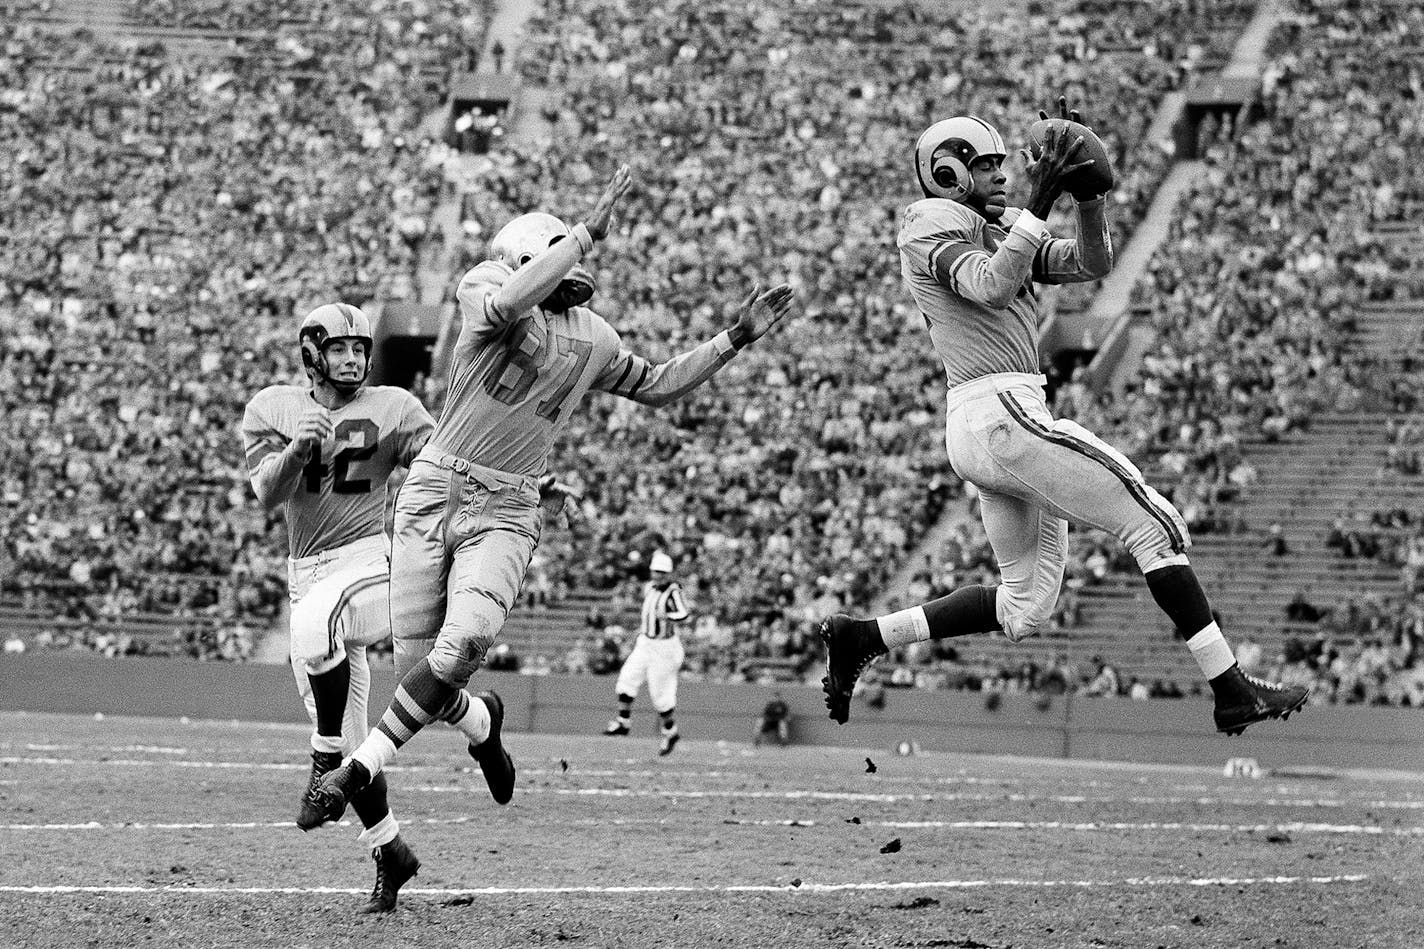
(837, 703)
(1236, 728)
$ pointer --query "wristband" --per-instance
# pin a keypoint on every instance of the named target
(738, 337)
(584, 238)
(1032, 228)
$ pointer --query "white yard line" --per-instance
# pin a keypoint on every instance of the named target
(785, 888)
(1290, 827)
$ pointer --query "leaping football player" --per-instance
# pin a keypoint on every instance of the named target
(971, 264)
(326, 452)
(468, 518)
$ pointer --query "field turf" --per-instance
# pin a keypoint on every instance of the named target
(148, 832)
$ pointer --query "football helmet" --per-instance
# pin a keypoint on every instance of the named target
(328, 322)
(947, 149)
(523, 238)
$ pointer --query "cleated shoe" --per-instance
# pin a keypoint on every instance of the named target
(322, 762)
(668, 743)
(327, 801)
(494, 761)
(851, 645)
(616, 727)
(395, 864)
(1243, 699)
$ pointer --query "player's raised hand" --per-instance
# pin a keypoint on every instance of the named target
(760, 312)
(1057, 161)
(602, 216)
(314, 427)
(1064, 112)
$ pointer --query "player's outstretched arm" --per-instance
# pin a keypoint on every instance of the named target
(633, 377)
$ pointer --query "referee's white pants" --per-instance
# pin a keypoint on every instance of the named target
(1035, 474)
(656, 662)
(340, 606)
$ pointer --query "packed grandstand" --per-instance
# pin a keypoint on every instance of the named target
(178, 192)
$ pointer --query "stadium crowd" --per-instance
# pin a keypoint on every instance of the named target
(176, 214)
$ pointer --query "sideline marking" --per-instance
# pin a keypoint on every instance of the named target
(732, 888)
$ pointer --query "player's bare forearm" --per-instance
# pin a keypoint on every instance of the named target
(1095, 250)
(277, 476)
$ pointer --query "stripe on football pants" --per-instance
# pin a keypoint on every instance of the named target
(334, 617)
(1134, 486)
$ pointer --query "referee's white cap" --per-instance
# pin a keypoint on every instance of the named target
(661, 563)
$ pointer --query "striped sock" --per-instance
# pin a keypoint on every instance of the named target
(419, 700)
(470, 715)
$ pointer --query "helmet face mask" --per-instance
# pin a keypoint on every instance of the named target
(322, 327)
(527, 236)
(948, 149)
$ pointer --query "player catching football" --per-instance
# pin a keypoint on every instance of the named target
(326, 453)
(468, 518)
(971, 263)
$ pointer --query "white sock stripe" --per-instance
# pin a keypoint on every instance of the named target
(383, 833)
(1211, 651)
(904, 627)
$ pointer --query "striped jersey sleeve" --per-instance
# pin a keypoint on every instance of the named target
(260, 433)
(635, 377)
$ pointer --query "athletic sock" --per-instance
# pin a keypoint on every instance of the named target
(419, 700)
(329, 690)
(1180, 595)
(968, 610)
(371, 805)
(382, 833)
(669, 724)
(625, 708)
(470, 715)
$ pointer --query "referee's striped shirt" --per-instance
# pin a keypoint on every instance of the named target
(662, 611)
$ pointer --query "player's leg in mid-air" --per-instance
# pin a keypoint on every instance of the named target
(458, 558)
(1005, 440)
(332, 625)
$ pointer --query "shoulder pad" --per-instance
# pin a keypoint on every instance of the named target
(937, 215)
(487, 271)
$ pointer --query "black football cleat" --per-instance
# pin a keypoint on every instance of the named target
(851, 645)
(327, 801)
(616, 727)
(395, 864)
(322, 763)
(1243, 699)
(494, 761)
(669, 742)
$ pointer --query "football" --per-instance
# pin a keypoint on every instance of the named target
(1094, 180)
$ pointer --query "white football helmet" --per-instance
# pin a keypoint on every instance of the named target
(328, 322)
(947, 149)
(524, 238)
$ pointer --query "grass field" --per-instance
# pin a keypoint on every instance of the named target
(146, 832)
